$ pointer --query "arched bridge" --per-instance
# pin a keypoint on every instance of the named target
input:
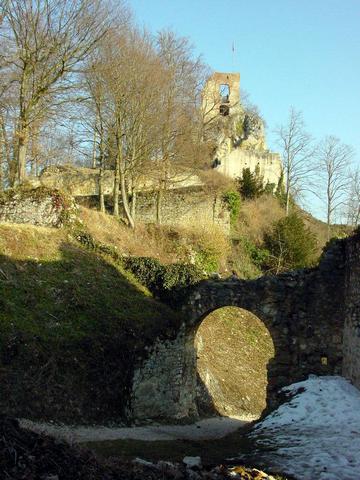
(312, 316)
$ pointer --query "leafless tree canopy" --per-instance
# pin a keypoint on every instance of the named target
(352, 206)
(297, 153)
(142, 107)
(45, 43)
(110, 94)
(333, 162)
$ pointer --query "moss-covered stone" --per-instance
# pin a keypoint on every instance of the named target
(37, 206)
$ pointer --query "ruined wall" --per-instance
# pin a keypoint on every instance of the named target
(351, 368)
(239, 133)
(303, 311)
(153, 395)
(82, 182)
(233, 163)
(184, 208)
(76, 181)
(48, 208)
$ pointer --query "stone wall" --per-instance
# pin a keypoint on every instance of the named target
(153, 396)
(186, 203)
(36, 206)
(351, 368)
(303, 311)
(235, 160)
(84, 182)
(187, 208)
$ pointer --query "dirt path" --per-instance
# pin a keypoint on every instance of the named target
(206, 429)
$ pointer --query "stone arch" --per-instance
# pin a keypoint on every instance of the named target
(303, 310)
(265, 299)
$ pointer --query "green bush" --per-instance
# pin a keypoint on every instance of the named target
(161, 279)
(148, 271)
(269, 188)
(180, 275)
(291, 244)
(206, 260)
(232, 200)
(259, 256)
(250, 184)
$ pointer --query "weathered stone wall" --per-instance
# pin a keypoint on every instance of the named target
(84, 182)
(180, 208)
(303, 311)
(153, 396)
(235, 160)
(37, 207)
(186, 203)
(351, 368)
(184, 208)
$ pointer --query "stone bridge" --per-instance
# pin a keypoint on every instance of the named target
(313, 316)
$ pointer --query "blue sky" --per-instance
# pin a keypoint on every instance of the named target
(304, 53)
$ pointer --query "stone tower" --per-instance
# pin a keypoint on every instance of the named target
(237, 131)
(221, 95)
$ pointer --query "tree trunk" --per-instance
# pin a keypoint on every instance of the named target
(133, 205)
(116, 187)
(101, 175)
(94, 151)
(287, 204)
(21, 155)
(101, 190)
(6, 151)
(159, 200)
(328, 220)
(2, 158)
(1, 168)
(125, 200)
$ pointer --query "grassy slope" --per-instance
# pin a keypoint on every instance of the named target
(72, 324)
(203, 245)
(255, 219)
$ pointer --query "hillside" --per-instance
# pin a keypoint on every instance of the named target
(72, 324)
(75, 323)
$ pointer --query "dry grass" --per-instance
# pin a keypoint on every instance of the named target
(257, 215)
(319, 228)
(216, 182)
(167, 244)
(68, 312)
(21, 242)
(107, 229)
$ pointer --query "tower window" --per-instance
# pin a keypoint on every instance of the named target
(224, 91)
(224, 110)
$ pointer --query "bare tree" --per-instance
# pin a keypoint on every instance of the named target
(297, 153)
(334, 160)
(125, 82)
(180, 124)
(353, 200)
(48, 40)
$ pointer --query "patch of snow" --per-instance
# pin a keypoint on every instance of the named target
(192, 462)
(141, 461)
(316, 435)
(206, 429)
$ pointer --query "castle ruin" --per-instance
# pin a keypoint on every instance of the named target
(237, 131)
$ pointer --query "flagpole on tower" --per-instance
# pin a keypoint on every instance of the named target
(233, 55)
